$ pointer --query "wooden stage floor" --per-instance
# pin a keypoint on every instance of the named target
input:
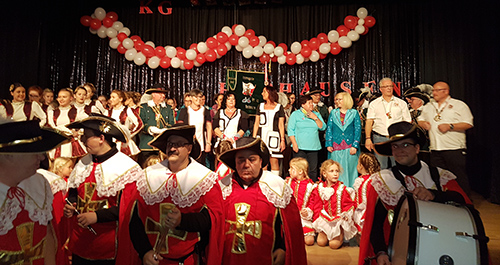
(348, 255)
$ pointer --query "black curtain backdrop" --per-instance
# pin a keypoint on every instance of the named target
(412, 42)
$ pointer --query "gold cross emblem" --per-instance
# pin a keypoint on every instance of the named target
(86, 204)
(162, 232)
(28, 253)
(241, 226)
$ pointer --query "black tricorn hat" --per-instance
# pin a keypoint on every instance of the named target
(157, 88)
(416, 92)
(102, 124)
(28, 137)
(246, 143)
(399, 131)
(182, 130)
(312, 92)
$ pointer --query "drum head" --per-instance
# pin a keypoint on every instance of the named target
(402, 242)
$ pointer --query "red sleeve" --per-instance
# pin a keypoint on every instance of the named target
(365, 248)
(215, 206)
(453, 185)
(294, 242)
(126, 253)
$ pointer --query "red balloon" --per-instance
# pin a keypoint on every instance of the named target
(139, 45)
(314, 44)
(222, 49)
(306, 51)
(121, 49)
(304, 43)
(342, 30)
(370, 21)
(188, 64)
(165, 62)
(322, 38)
(350, 22)
(335, 48)
(274, 59)
(194, 46)
(212, 43)
(181, 53)
(272, 43)
(160, 52)
(222, 37)
(291, 59)
(200, 58)
(112, 15)
(366, 30)
(85, 20)
(282, 45)
(254, 41)
(264, 58)
(107, 22)
(211, 56)
(249, 33)
(233, 27)
(121, 36)
(135, 38)
(95, 23)
(233, 39)
(322, 56)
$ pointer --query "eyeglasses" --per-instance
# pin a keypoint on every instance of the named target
(386, 86)
(176, 145)
(440, 89)
(402, 146)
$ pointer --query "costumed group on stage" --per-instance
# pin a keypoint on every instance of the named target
(134, 179)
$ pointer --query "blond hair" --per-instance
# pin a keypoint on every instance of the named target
(301, 164)
(326, 165)
(151, 160)
(369, 162)
(347, 101)
(59, 163)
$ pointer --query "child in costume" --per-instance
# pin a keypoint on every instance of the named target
(367, 165)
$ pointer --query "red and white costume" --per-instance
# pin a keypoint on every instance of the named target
(302, 191)
(335, 208)
(251, 214)
(361, 186)
(25, 213)
(223, 170)
(23, 111)
(131, 123)
(58, 119)
(99, 186)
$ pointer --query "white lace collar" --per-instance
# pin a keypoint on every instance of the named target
(151, 103)
(184, 187)
(57, 183)
(38, 202)
(111, 176)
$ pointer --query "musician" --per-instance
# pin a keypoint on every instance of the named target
(427, 183)
(156, 117)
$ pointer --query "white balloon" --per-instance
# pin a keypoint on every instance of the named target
(111, 32)
(117, 25)
(139, 58)
(182, 65)
(191, 54)
(228, 45)
(171, 51)
(130, 54)
(238, 48)
(359, 29)
(101, 32)
(128, 43)
(243, 42)
(278, 51)
(150, 43)
(227, 30)
(93, 31)
(262, 41)
(361, 21)
(282, 59)
(125, 30)
(268, 48)
(362, 12)
(300, 59)
(333, 36)
(345, 42)
(314, 56)
(175, 62)
(114, 42)
(196, 63)
(296, 47)
(239, 30)
(100, 13)
(248, 52)
(353, 35)
(257, 51)
(93, 15)
(202, 47)
(325, 48)
(154, 62)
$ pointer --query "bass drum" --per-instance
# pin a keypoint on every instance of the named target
(427, 233)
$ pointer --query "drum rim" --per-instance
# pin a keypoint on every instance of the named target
(479, 230)
(412, 237)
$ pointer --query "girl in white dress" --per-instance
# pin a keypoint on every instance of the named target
(19, 109)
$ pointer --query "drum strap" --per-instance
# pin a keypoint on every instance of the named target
(434, 175)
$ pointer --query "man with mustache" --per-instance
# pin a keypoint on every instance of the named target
(176, 213)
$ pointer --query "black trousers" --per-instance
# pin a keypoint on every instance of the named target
(312, 160)
(454, 161)
(77, 260)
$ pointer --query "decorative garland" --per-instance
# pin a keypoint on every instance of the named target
(245, 41)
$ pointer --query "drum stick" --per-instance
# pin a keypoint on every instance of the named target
(78, 213)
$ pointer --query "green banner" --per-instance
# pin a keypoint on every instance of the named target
(247, 86)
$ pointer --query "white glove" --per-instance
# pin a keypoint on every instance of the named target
(153, 130)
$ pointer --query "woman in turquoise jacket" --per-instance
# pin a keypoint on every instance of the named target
(342, 137)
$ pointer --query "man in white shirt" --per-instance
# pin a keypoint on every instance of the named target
(447, 119)
(382, 112)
